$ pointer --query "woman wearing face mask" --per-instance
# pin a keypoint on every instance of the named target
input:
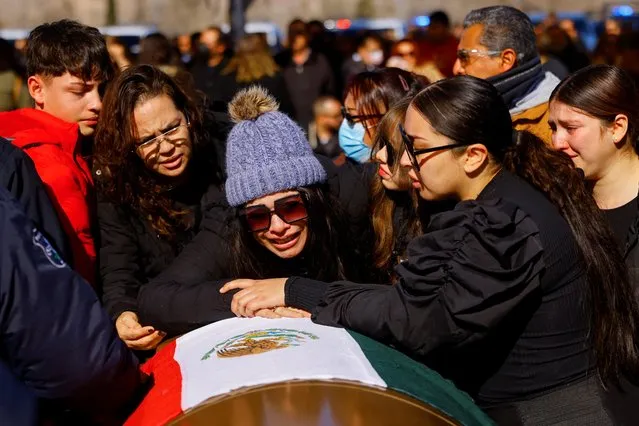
(518, 295)
(594, 117)
(367, 98)
(283, 219)
(368, 57)
(154, 163)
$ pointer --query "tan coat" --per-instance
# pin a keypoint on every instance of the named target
(535, 121)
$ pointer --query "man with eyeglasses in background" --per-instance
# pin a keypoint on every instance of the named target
(498, 44)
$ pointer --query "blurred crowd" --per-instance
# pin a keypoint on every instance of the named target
(467, 197)
(308, 75)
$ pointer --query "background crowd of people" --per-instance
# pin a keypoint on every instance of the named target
(469, 199)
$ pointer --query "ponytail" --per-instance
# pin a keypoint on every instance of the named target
(611, 303)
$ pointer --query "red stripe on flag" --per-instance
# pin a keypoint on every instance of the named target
(163, 403)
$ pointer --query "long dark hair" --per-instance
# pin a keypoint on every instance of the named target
(322, 256)
(384, 202)
(603, 92)
(124, 179)
(469, 110)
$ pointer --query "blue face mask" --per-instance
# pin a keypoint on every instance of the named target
(351, 140)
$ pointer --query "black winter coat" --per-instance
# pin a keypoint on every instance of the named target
(185, 296)
(307, 82)
(132, 253)
(275, 85)
(57, 345)
(19, 176)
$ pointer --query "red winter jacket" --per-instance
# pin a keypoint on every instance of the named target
(53, 145)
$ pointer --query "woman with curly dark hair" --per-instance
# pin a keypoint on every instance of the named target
(155, 162)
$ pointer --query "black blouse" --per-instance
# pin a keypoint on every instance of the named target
(492, 296)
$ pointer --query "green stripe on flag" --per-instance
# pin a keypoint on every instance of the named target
(404, 374)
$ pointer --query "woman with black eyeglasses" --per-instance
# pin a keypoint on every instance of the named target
(367, 97)
(154, 161)
(518, 295)
(397, 213)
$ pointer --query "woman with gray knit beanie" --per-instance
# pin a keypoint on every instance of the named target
(288, 220)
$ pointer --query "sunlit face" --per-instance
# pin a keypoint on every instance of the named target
(369, 124)
(407, 51)
(583, 138)
(163, 137)
(612, 27)
(440, 172)
(211, 38)
(331, 116)
(184, 43)
(285, 240)
(371, 52)
(68, 98)
(475, 63)
(393, 180)
(299, 43)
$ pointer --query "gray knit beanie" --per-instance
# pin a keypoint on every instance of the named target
(266, 151)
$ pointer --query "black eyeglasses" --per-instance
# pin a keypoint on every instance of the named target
(290, 209)
(382, 143)
(352, 119)
(412, 153)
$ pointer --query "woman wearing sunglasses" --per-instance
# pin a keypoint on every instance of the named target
(154, 163)
(368, 96)
(396, 212)
(518, 295)
(288, 219)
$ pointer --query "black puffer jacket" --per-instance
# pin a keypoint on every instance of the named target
(185, 296)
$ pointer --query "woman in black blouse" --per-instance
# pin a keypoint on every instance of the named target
(496, 294)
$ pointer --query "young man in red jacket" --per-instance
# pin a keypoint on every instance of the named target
(67, 65)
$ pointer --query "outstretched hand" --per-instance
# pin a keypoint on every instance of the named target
(255, 295)
(135, 335)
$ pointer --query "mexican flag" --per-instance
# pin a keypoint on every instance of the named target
(246, 352)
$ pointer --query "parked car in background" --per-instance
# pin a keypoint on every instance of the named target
(389, 28)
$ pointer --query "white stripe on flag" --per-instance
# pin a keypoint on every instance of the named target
(242, 352)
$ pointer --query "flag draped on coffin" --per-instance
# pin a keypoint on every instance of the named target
(242, 352)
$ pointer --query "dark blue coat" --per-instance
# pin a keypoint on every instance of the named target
(58, 348)
(18, 175)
